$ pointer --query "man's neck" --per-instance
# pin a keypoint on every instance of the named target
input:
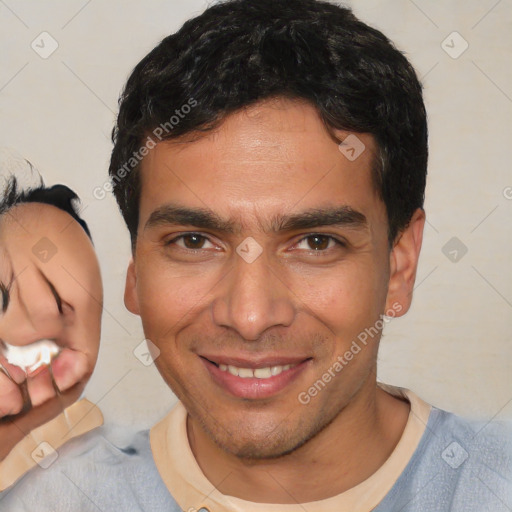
(347, 452)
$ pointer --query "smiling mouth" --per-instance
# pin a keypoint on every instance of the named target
(258, 370)
(258, 373)
(254, 379)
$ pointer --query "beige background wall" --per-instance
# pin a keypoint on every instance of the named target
(455, 347)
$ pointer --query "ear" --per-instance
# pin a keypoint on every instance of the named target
(403, 263)
(131, 300)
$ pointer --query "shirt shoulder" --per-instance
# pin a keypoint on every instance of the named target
(459, 465)
(109, 468)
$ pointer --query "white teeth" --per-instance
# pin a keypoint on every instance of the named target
(233, 370)
(245, 373)
(31, 357)
(275, 370)
(262, 373)
(259, 373)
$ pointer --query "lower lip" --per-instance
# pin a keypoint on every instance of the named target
(253, 388)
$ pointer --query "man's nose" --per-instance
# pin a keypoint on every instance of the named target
(253, 299)
(33, 310)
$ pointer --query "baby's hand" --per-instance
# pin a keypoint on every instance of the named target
(34, 373)
(11, 394)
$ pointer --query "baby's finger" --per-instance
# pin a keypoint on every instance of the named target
(11, 399)
(69, 368)
(40, 387)
(16, 373)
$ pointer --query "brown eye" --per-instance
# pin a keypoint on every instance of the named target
(318, 242)
(193, 241)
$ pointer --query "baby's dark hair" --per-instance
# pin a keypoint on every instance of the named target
(59, 196)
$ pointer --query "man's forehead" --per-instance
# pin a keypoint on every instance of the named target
(278, 130)
(278, 115)
(247, 175)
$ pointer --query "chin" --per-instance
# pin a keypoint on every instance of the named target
(255, 449)
(255, 452)
(268, 442)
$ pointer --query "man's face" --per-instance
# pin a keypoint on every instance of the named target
(271, 173)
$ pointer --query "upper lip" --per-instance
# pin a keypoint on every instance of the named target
(254, 362)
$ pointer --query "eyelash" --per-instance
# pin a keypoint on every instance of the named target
(5, 296)
(310, 235)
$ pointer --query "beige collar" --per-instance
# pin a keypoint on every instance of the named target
(192, 490)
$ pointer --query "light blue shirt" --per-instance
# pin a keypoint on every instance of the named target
(459, 466)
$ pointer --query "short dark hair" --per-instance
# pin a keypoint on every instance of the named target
(59, 196)
(239, 52)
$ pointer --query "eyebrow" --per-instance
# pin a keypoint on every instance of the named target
(340, 216)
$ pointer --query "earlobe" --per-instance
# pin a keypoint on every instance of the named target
(403, 264)
(131, 300)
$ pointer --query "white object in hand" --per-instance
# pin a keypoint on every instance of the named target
(31, 357)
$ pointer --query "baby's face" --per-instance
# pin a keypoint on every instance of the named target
(51, 290)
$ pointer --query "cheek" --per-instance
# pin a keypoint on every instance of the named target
(167, 301)
(346, 298)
